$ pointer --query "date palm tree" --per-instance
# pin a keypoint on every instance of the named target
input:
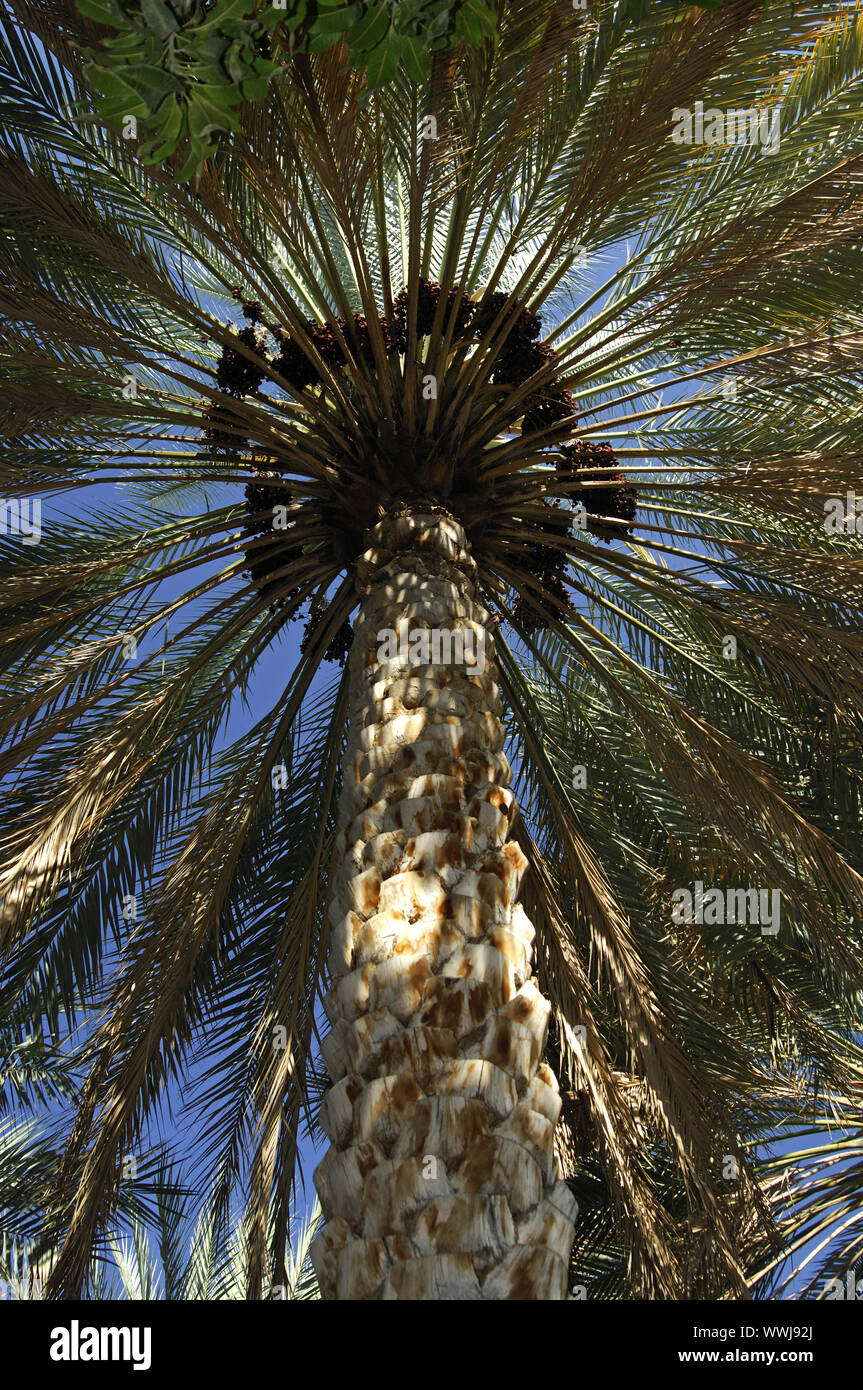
(532, 411)
(162, 1250)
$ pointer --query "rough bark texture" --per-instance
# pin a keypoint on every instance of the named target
(441, 1182)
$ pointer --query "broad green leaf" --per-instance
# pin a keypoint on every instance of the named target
(112, 86)
(222, 14)
(107, 12)
(196, 155)
(158, 17)
(236, 62)
(371, 29)
(153, 83)
(336, 21)
(254, 88)
(171, 124)
(383, 62)
(209, 115)
(125, 46)
(415, 57)
(264, 67)
(475, 21)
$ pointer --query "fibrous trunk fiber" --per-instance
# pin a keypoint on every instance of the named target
(441, 1182)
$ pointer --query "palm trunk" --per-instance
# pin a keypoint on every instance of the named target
(441, 1182)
